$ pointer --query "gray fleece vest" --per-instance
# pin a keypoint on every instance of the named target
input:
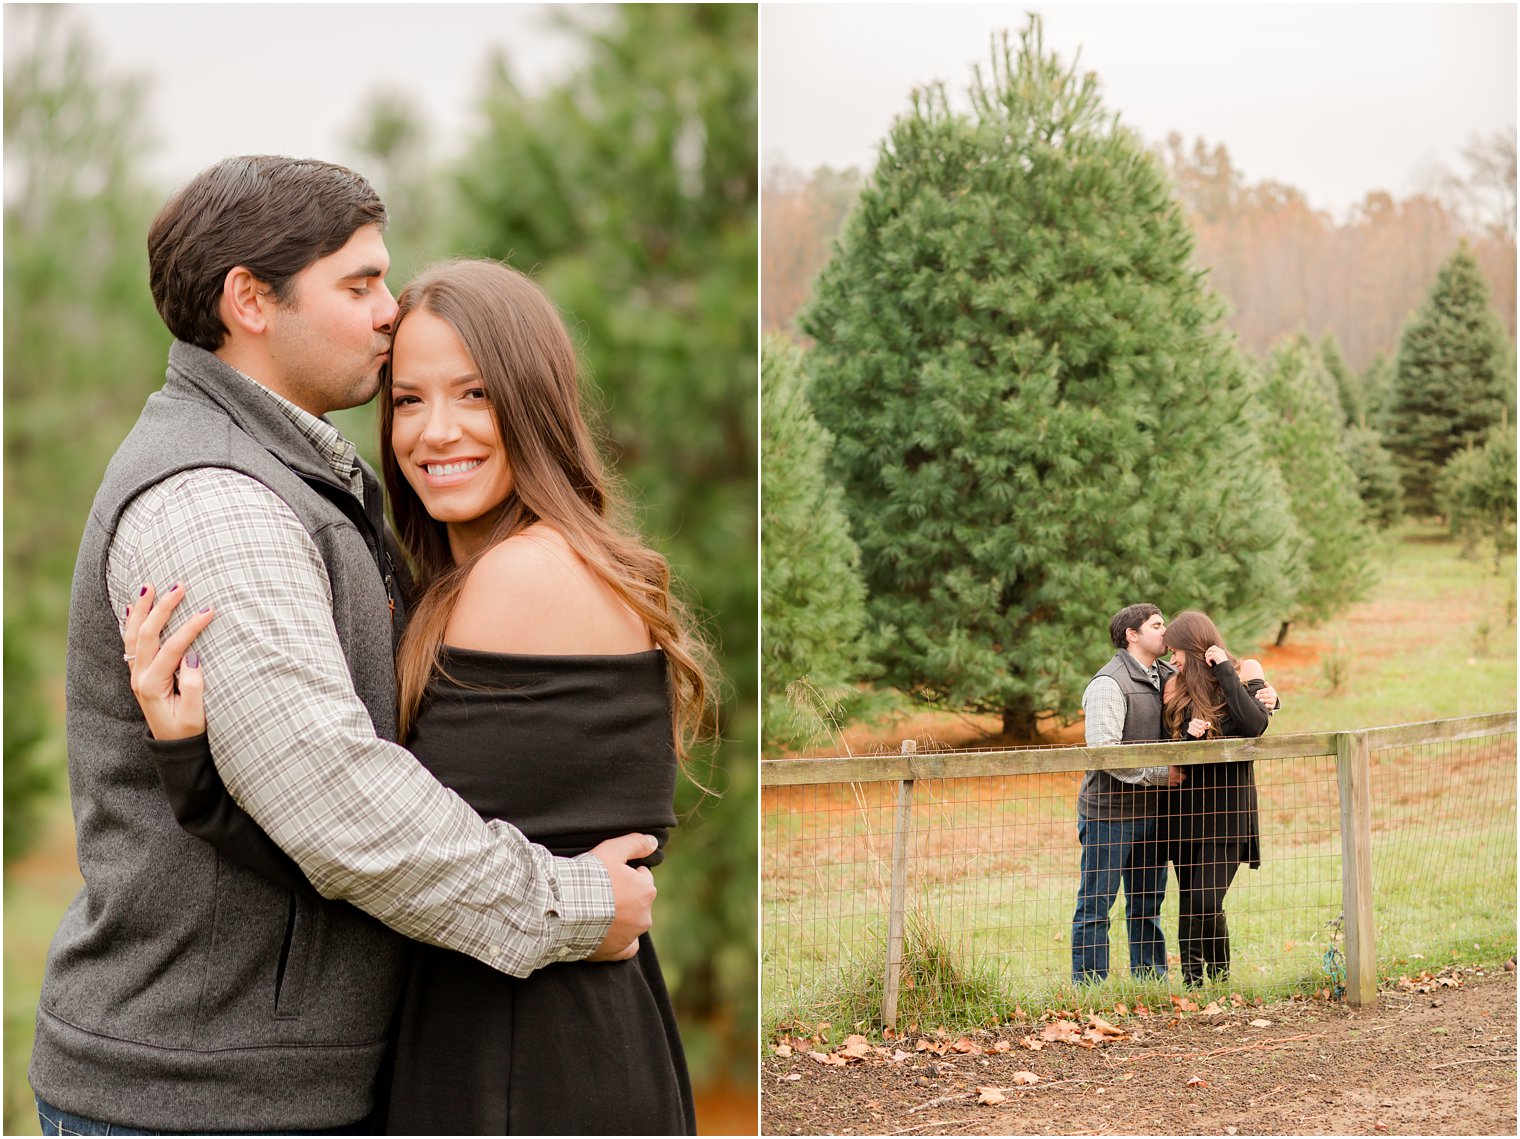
(183, 992)
(1102, 796)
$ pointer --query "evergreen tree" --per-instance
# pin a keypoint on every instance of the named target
(1451, 382)
(1376, 384)
(1303, 438)
(1377, 476)
(812, 594)
(1476, 491)
(630, 190)
(1039, 416)
(1345, 385)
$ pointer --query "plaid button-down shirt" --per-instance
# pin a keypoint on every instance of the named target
(364, 820)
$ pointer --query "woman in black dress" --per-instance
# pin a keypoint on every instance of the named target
(550, 678)
(1211, 823)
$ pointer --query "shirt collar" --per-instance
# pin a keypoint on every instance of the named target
(339, 454)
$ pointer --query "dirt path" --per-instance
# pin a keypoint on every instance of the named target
(1437, 1058)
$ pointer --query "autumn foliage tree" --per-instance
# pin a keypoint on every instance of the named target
(1453, 379)
(1039, 415)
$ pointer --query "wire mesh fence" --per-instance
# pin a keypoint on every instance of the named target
(898, 888)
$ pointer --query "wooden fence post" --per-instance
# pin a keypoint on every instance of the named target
(1353, 765)
(901, 833)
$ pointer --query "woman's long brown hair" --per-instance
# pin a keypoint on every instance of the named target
(1195, 687)
(518, 343)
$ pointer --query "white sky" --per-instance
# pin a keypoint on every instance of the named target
(293, 78)
(1337, 100)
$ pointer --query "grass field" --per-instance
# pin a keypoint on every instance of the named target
(994, 861)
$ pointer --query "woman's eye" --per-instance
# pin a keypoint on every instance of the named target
(403, 400)
(359, 290)
(475, 393)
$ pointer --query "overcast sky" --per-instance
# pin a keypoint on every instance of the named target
(1336, 100)
(294, 78)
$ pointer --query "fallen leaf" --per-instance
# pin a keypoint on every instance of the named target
(1288, 947)
(855, 1047)
(967, 1047)
(1031, 1043)
(898, 1056)
(1380, 1127)
(1237, 1000)
(1126, 1076)
(1213, 1009)
(1261, 1023)
(990, 1095)
(1121, 1009)
(888, 1034)
(1197, 1082)
(1025, 1078)
(828, 1060)
(792, 1076)
(1142, 1010)
(1104, 1027)
(783, 1050)
(1184, 1004)
(1061, 1032)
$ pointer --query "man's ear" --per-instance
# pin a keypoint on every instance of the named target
(245, 302)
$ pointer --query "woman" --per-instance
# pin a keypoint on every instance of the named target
(544, 630)
(1211, 825)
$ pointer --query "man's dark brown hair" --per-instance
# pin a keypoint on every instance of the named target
(1130, 617)
(270, 214)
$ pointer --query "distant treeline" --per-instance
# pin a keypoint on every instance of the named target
(1282, 266)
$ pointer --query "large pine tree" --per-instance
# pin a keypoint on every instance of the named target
(1452, 380)
(1039, 415)
(812, 594)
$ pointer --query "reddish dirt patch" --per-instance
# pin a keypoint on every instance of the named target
(959, 731)
(1435, 1063)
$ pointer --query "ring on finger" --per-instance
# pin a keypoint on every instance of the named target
(129, 657)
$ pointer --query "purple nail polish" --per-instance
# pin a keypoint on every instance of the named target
(193, 659)
(206, 609)
(143, 592)
(173, 587)
(129, 611)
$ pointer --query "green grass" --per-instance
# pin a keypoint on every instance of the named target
(993, 880)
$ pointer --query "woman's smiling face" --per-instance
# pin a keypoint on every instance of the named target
(444, 432)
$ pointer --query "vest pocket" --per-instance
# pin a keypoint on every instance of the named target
(295, 952)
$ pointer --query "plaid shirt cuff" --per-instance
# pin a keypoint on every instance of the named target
(586, 905)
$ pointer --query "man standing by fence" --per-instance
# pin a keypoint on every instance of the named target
(1116, 810)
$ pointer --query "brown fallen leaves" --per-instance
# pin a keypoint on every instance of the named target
(1428, 982)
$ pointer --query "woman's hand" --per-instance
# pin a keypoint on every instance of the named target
(1215, 654)
(1175, 776)
(166, 679)
(1197, 728)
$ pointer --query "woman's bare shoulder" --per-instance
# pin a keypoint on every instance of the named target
(534, 594)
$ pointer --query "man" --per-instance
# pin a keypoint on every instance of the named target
(1117, 809)
(183, 992)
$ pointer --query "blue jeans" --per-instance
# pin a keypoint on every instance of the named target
(56, 1121)
(1113, 852)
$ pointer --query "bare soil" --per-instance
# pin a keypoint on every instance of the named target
(1435, 1056)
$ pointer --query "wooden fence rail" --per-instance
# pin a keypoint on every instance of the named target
(1352, 751)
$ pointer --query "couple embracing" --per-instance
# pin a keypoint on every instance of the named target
(365, 825)
(1202, 818)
